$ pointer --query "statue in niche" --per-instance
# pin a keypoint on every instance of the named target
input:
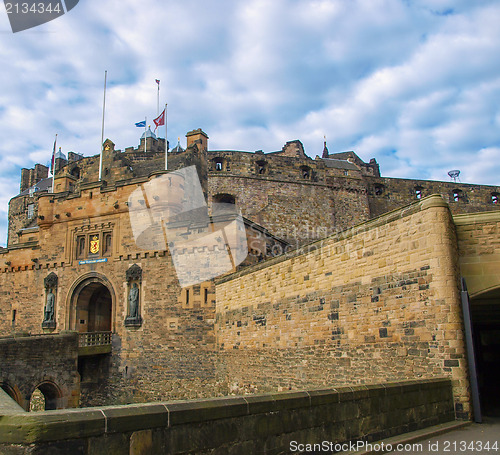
(133, 301)
(49, 307)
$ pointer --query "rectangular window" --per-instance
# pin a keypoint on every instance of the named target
(31, 210)
(206, 296)
(187, 296)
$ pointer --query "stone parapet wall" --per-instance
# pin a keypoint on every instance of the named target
(386, 194)
(238, 425)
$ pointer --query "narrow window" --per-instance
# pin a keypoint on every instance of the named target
(494, 198)
(218, 166)
(206, 296)
(13, 316)
(418, 192)
(457, 195)
(80, 246)
(31, 210)
(187, 296)
(379, 189)
(107, 243)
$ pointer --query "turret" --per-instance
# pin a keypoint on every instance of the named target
(199, 138)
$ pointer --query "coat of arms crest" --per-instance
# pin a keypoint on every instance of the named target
(94, 244)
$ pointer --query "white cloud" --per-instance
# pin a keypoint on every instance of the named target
(413, 83)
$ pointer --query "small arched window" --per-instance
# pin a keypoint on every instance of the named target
(457, 195)
(223, 203)
(379, 189)
(305, 172)
(494, 198)
(75, 172)
(261, 167)
(224, 198)
(418, 192)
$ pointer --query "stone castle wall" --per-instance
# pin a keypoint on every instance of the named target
(479, 248)
(377, 302)
(31, 362)
(281, 324)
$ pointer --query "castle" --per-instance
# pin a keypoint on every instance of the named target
(349, 276)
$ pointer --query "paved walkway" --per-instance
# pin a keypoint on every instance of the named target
(451, 438)
(473, 439)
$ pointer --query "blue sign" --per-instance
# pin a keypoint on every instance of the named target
(93, 261)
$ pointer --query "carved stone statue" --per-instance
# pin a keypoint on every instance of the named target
(133, 301)
(49, 307)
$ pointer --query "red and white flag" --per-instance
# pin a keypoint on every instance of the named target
(157, 81)
(160, 120)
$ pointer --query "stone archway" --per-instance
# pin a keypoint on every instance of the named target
(13, 392)
(51, 393)
(91, 304)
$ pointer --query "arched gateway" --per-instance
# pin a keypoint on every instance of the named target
(91, 304)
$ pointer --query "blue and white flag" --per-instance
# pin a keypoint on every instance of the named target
(141, 124)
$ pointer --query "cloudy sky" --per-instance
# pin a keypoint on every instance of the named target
(413, 83)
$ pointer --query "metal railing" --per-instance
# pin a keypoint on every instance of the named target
(94, 339)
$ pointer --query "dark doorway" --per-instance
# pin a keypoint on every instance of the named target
(485, 312)
(93, 309)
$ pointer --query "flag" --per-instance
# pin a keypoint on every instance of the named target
(160, 120)
(158, 82)
(141, 124)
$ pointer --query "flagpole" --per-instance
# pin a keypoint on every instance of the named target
(145, 131)
(158, 99)
(166, 141)
(102, 129)
(53, 163)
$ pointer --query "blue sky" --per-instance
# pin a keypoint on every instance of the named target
(413, 83)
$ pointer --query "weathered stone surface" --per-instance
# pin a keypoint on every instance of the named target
(41, 361)
(229, 425)
(377, 301)
(364, 338)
